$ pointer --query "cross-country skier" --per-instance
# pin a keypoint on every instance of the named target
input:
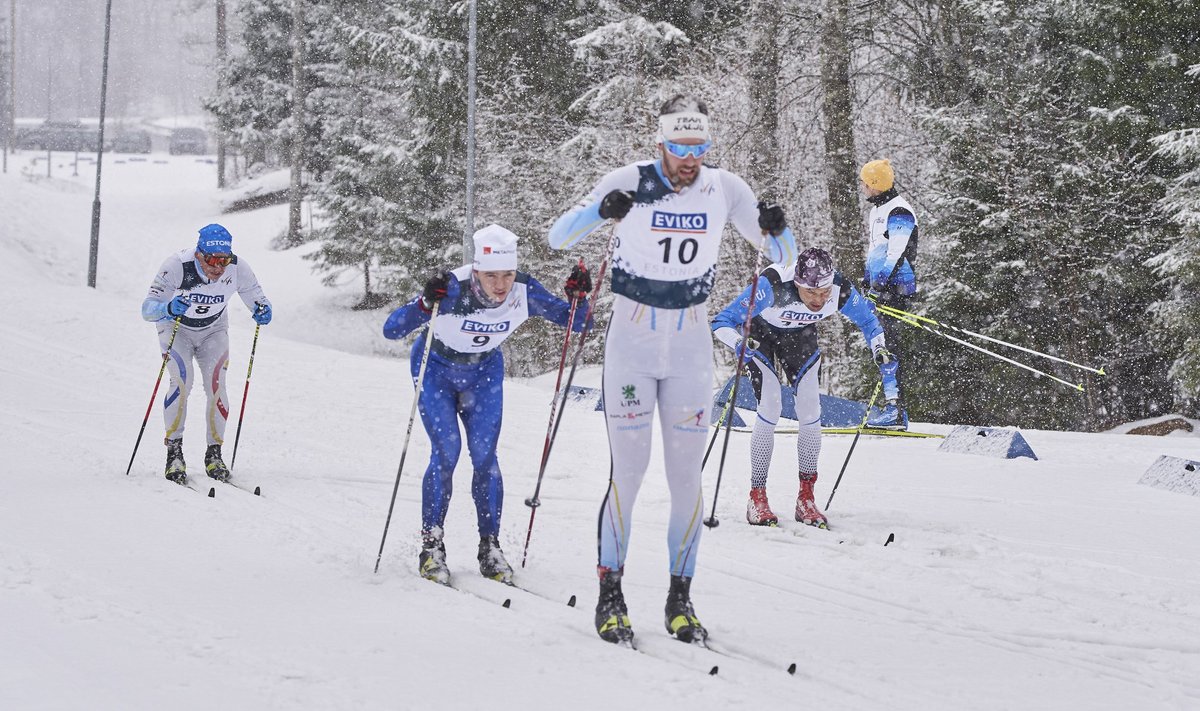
(782, 349)
(193, 286)
(890, 277)
(481, 304)
(670, 214)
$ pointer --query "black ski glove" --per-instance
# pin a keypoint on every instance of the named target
(616, 205)
(437, 287)
(579, 282)
(770, 218)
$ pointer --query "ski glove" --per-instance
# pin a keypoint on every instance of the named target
(616, 205)
(579, 282)
(770, 218)
(438, 287)
(262, 313)
(882, 356)
(178, 306)
(751, 351)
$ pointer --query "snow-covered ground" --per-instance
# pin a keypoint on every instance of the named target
(1011, 584)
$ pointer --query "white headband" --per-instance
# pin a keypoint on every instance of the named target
(684, 124)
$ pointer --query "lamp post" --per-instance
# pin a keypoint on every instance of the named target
(469, 223)
(95, 244)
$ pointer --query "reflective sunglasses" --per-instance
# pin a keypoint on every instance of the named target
(683, 150)
(217, 260)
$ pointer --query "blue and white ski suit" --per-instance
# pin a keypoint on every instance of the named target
(785, 329)
(465, 379)
(658, 350)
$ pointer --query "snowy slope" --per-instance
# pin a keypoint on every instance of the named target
(1052, 584)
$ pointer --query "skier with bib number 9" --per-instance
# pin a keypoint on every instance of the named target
(782, 352)
(670, 214)
(480, 305)
(193, 287)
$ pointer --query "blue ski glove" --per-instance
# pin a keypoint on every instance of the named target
(751, 351)
(178, 306)
(262, 313)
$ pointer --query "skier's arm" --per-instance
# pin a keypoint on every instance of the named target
(545, 305)
(583, 219)
(727, 325)
(405, 319)
(249, 288)
(862, 312)
(743, 213)
(900, 226)
(166, 282)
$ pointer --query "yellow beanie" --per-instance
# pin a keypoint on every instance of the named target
(878, 174)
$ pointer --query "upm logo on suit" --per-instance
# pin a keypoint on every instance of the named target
(480, 327)
(695, 223)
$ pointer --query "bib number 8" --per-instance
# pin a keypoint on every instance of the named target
(688, 248)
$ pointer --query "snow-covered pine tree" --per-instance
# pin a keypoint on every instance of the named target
(1179, 265)
(254, 102)
(391, 198)
(1035, 211)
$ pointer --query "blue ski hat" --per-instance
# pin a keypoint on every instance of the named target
(215, 239)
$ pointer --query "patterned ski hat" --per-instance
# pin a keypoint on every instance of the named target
(878, 174)
(495, 249)
(214, 239)
(814, 269)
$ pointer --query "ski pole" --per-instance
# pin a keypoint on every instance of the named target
(245, 391)
(917, 324)
(857, 434)
(713, 440)
(895, 312)
(157, 382)
(712, 521)
(533, 503)
(412, 416)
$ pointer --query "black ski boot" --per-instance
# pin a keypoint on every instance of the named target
(491, 561)
(214, 465)
(432, 560)
(681, 618)
(612, 616)
(176, 468)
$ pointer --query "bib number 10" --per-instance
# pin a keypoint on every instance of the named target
(686, 252)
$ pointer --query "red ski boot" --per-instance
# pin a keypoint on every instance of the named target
(806, 509)
(758, 511)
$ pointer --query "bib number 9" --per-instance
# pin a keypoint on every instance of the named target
(481, 340)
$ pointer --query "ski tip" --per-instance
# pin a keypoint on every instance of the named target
(891, 537)
(258, 491)
(507, 603)
(792, 668)
(571, 602)
(212, 492)
(713, 671)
